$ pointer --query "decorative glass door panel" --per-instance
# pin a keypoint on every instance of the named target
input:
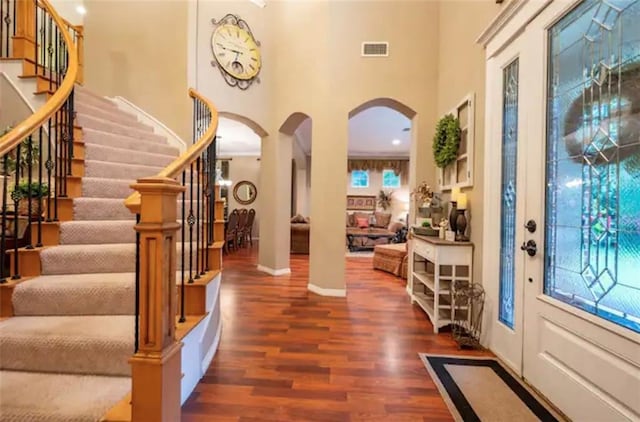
(508, 195)
(592, 239)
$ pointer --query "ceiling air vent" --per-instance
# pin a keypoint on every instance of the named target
(375, 49)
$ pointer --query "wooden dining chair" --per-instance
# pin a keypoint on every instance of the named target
(231, 231)
(242, 225)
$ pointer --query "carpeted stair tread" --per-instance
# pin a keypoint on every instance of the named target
(126, 156)
(37, 397)
(100, 187)
(94, 119)
(101, 209)
(103, 103)
(89, 344)
(92, 136)
(119, 171)
(76, 294)
(107, 258)
(83, 94)
(95, 232)
(145, 132)
(107, 113)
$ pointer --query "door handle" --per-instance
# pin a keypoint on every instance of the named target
(530, 247)
(531, 226)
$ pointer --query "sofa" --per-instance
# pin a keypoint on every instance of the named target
(376, 223)
(300, 228)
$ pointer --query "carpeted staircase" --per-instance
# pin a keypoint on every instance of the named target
(64, 355)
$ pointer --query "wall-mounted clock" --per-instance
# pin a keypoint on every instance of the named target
(235, 51)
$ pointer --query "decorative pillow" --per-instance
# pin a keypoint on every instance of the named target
(357, 215)
(363, 223)
(382, 219)
(351, 220)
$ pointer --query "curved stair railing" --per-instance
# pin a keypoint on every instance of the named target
(176, 214)
(36, 155)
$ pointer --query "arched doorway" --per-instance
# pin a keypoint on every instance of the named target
(238, 150)
(379, 165)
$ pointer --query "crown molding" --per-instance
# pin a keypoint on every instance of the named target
(499, 22)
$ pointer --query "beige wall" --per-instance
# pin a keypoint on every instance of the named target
(312, 65)
(325, 78)
(246, 168)
(399, 198)
(13, 108)
(461, 68)
(137, 49)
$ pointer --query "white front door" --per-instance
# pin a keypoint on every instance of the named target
(575, 303)
(582, 289)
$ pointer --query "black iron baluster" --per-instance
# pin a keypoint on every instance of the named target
(43, 31)
(4, 24)
(35, 32)
(55, 62)
(198, 221)
(56, 164)
(49, 166)
(191, 221)
(182, 267)
(15, 195)
(41, 196)
(72, 116)
(213, 189)
(50, 52)
(194, 135)
(137, 290)
(3, 236)
(203, 196)
(30, 190)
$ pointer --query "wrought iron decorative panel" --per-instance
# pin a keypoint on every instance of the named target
(509, 184)
(592, 245)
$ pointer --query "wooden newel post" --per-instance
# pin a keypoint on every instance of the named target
(24, 41)
(156, 368)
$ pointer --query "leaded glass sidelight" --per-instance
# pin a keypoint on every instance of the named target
(508, 197)
(592, 258)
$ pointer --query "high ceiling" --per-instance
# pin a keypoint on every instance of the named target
(371, 134)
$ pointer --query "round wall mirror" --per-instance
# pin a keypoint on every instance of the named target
(245, 192)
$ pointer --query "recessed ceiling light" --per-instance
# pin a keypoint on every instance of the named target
(81, 9)
(259, 3)
(396, 142)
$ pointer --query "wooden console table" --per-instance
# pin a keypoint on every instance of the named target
(434, 267)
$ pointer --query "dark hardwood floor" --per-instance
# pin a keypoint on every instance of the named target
(289, 355)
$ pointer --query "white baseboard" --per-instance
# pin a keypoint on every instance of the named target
(275, 273)
(327, 292)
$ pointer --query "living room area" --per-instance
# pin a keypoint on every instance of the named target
(378, 196)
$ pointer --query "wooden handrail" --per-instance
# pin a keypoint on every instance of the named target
(13, 138)
(178, 165)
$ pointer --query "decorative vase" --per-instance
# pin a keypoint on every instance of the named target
(461, 226)
(453, 216)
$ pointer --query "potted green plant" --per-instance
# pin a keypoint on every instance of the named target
(384, 199)
(33, 193)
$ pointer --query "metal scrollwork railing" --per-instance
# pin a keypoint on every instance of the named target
(36, 154)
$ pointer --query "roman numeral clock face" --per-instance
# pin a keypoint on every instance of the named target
(236, 52)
